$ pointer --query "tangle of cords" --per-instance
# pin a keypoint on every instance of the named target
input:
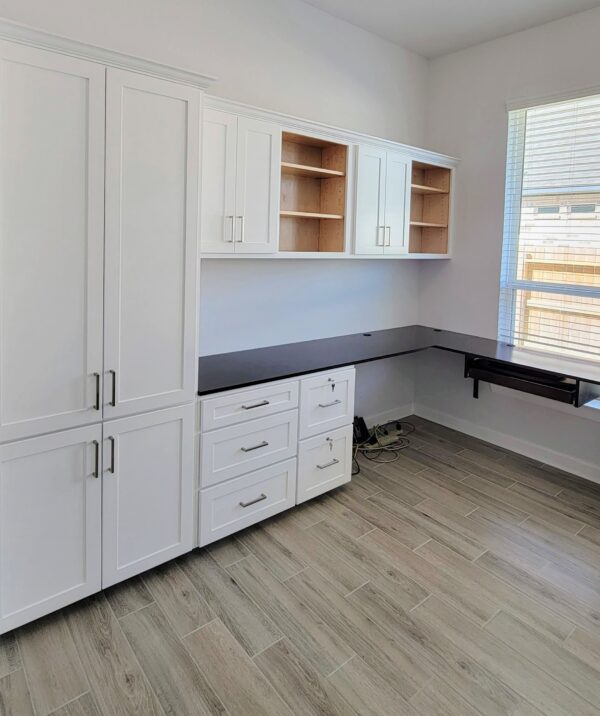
(379, 447)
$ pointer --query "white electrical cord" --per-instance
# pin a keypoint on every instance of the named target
(378, 447)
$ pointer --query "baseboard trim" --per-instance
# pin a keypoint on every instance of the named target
(578, 467)
(401, 411)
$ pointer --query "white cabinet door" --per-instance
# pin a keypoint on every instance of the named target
(370, 201)
(152, 154)
(324, 462)
(148, 498)
(50, 523)
(326, 402)
(257, 190)
(217, 189)
(396, 203)
(51, 240)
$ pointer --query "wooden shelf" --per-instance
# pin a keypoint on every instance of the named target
(422, 189)
(305, 170)
(429, 223)
(311, 215)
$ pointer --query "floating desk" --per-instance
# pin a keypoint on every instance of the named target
(239, 369)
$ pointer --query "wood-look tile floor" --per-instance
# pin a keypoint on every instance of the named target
(459, 580)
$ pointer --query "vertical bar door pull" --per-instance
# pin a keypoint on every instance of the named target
(111, 469)
(96, 445)
(97, 403)
(113, 395)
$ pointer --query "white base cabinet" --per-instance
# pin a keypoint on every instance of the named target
(254, 468)
(148, 482)
(50, 523)
(324, 462)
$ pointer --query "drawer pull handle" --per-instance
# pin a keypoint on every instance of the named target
(96, 445)
(253, 502)
(335, 461)
(97, 403)
(256, 447)
(256, 405)
(328, 405)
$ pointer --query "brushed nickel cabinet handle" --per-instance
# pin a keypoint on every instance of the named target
(255, 447)
(335, 461)
(388, 241)
(111, 469)
(97, 403)
(253, 502)
(255, 405)
(232, 217)
(96, 445)
(113, 395)
(241, 218)
(328, 405)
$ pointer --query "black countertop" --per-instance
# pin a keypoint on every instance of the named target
(226, 371)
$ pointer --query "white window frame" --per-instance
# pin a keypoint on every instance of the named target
(509, 283)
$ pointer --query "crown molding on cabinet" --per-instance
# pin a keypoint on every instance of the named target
(16, 32)
(290, 123)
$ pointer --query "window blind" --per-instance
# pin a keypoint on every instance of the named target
(550, 278)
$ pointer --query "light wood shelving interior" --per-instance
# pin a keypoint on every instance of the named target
(429, 209)
(313, 194)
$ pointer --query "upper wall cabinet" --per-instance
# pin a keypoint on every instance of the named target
(240, 184)
(51, 240)
(152, 167)
(382, 196)
(313, 194)
(429, 209)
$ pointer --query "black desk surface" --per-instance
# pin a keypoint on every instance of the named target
(226, 371)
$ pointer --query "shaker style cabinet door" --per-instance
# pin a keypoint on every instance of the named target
(148, 498)
(50, 523)
(152, 166)
(217, 185)
(370, 201)
(51, 241)
(396, 202)
(257, 188)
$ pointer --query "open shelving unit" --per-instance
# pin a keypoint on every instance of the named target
(429, 209)
(313, 194)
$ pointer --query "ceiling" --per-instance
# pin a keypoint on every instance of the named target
(436, 27)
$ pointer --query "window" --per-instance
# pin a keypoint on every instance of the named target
(550, 280)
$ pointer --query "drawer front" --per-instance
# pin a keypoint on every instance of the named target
(233, 451)
(326, 402)
(324, 462)
(240, 406)
(242, 502)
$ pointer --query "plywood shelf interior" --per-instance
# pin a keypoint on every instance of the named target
(305, 170)
(311, 215)
(429, 209)
(313, 194)
(422, 189)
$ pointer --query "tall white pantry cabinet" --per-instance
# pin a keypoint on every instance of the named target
(99, 171)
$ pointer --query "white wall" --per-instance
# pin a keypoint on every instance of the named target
(467, 118)
(287, 56)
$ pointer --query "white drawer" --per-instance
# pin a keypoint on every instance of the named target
(326, 402)
(324, 462)
(239, 406)
(237, 504)
(230, 452)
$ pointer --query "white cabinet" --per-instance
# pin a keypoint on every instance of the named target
(51, 241)
(152, 155)
(231, 506)
(240, 184)
(229, 452)
(324, 462)
(382, 200)
(326, 402)
(148, 507)
(50, 504)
